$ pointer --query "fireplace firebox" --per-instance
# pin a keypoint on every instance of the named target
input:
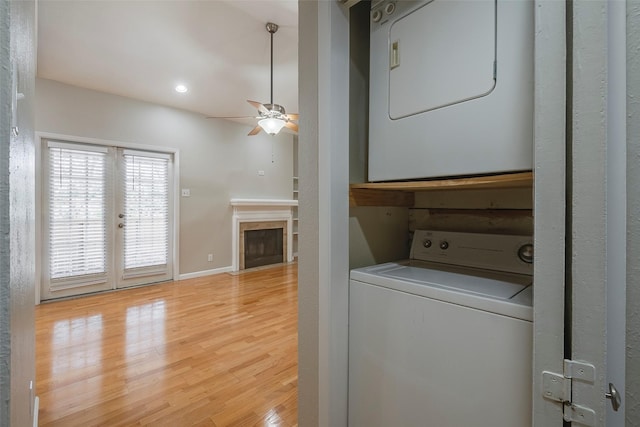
(263, 247)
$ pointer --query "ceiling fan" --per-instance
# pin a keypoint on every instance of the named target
(272, 117)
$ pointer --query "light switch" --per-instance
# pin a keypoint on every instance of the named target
(260, 173)
(186, 192)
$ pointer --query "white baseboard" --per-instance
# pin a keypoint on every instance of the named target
(205, 273)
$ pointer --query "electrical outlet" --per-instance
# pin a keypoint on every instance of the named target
(210, 257)
(186, 192)
(260, 173)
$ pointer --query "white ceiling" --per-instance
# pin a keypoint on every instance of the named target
(143, 48)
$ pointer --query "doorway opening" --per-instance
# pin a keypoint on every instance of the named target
(107, 218)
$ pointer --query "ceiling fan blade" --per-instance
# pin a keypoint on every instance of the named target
(292, 126)
(256, 130)
(259, 106)
(231, 117)
(292, 116)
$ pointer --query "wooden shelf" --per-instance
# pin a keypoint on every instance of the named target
(373, 197)
(401, 193)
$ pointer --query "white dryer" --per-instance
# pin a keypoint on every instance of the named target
(451, 88)
(444, 339)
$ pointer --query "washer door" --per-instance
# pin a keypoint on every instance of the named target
(441, 54)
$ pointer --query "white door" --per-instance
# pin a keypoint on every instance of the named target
(598, 251)
(143, 249)
(107, 218)
(580, 213)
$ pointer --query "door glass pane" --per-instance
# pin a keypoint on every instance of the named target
(146, 211)
(77, 210)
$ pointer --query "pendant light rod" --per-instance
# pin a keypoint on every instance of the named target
(272, 28)
(271, 69)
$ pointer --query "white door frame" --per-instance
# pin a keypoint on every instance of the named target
(549, 203)
(43, 136)
(616, 206)
(589, 146)
(632, 386)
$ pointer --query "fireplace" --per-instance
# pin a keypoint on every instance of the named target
(263, 247)
(262, 243)
(271, 219)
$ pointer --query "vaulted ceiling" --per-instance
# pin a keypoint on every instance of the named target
(143, 48)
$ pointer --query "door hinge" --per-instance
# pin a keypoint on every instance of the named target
(557, 387)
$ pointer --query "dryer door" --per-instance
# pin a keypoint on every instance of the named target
(441, 54)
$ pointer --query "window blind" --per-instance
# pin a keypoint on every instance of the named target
(77, 212)
(146, 205)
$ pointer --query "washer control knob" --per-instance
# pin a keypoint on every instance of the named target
(426, 243)
(444, 245)
(376, 15)
(390, 8)
(525, 253)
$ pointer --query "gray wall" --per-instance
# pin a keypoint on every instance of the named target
(218, 161)
(17, 266)
(376, 234)
(308, 249)
(324, 210)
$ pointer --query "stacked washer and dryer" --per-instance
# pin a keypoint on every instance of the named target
(444, 339)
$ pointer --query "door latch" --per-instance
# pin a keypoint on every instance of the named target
(614, 397)
(15, 97)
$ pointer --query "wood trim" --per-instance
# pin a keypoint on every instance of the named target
(372, 197)
(400, 193)
(512, 180)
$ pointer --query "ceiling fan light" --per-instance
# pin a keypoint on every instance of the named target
(271, 125)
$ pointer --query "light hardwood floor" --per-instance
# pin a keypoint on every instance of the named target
(213, 351)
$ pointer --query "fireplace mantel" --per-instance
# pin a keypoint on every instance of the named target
(260, 210)
(256, 203)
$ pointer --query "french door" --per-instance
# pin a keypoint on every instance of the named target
(107, 218)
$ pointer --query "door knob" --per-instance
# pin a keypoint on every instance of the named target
(614, 396)
(121, 225)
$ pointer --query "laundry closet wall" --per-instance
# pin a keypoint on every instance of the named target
(376, 234)
(503, 211)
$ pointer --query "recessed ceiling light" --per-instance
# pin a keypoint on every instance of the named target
(181, 88)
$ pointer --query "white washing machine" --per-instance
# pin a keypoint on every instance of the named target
(444, 339)
(450, 88)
